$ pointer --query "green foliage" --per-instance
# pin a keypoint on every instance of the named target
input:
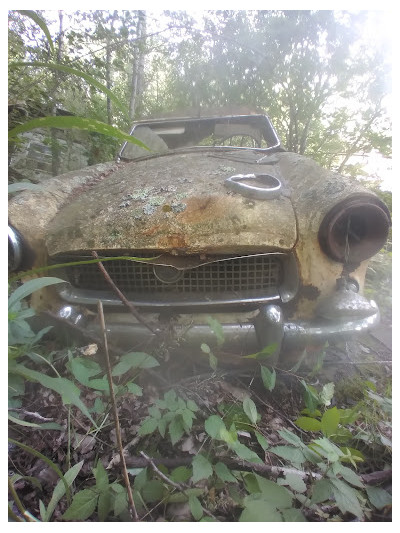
(268, 377)
(75, 122)
(73, 71)
(171, 413)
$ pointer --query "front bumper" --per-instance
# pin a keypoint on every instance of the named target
(242, 336)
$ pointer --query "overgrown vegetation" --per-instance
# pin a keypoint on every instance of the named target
(237, 461)
(274, 446)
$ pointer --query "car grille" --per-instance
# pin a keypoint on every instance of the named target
(261, 273)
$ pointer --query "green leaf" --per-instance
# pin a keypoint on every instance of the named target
(120, 503)
(268, 378)
(205, 348)
(181, 474)
(224, 474)
(327, 449)
(352, 454)
(170, 399)
(202, 468)
(346, 498)
(244, 452)
(275, 494)
(330, 421)
(350, 476)
(295, 482)
(213, 426)
(195, 507)
(153, 491)
(140, 480)
(99, 384)
(290, 437)
(101, 477)
(230, 437)
(260, 511)
(68, 122)
(264, 353)
(162, 427)
(83, 369)
(322, 491)
(148, 426)
(262, 441)
(42, 511)
(104, 505)
(289, 453)
(348, 416)
(378, 497)
(41, 23)
(249, 407)
(79, 73)
(83, 505)
(327, 393)
(217, 329)
(29, 287)
(188, 416)
(176, 430)
(310, 396)
(182, 497)
(155, 412)
(293, 515)
(134, 360)
(308, 424)
(59, 490)
(133, 388)
(212, 361)
(192, 406)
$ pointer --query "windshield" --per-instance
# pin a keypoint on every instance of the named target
(253, 132)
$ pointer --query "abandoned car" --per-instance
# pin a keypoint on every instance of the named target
(239, 245)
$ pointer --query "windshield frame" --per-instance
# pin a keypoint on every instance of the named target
(262, 122)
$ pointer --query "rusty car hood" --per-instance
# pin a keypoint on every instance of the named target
(176, 202)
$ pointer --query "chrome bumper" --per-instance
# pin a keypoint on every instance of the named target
(268, 327)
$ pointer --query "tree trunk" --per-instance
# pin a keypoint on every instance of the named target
(55, 145)
(138, 66)
(108, 66)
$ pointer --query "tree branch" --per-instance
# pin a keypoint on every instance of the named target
(132, 506)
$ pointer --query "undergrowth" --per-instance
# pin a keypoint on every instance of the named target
(192, 453)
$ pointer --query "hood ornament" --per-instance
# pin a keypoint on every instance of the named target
(257, 186)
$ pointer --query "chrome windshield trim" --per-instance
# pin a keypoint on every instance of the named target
(275, 145)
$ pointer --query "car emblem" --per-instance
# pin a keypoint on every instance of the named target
(167, 274)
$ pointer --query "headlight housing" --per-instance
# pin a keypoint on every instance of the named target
(355, 229)
(20, 255)
(14, 249)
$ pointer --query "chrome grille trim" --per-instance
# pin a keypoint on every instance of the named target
(246, 273)
(251, 279)
(176, 301)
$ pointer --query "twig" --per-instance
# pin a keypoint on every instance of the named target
(29, 413)
(263, 469)
(179, 486)
(132, 506)
(122, 297)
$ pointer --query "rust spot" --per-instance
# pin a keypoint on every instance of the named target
(151, 231)
(175, 240)
(203, 209)
(310, 292)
